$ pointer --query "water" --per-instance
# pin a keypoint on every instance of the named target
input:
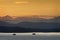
(29, 36)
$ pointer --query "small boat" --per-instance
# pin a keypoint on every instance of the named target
(14, 34)
(34, 33)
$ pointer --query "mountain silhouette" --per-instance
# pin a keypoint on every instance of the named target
(30, 25)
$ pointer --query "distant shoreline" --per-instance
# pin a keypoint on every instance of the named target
(29, 32)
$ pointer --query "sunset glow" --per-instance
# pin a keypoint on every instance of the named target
(20, 2)
(29, 7)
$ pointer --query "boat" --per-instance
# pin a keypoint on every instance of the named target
(33, 33)
(14, 34)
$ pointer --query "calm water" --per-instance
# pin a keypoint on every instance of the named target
(29, 36)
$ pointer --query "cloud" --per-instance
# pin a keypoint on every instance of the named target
(21, 2)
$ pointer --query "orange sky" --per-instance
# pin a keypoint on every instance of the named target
(29, 7)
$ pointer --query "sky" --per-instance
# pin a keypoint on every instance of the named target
(29, 7)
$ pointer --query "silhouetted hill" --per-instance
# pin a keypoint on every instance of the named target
(29, 26)
(56, 19)
(39, 24)
(2, 23)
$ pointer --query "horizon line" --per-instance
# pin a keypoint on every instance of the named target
(30, 15)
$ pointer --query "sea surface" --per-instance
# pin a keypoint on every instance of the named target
(29, 36)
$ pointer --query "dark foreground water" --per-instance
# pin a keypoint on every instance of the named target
(29, 36)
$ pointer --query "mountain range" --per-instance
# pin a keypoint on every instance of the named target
(29, 24)
(34, 18)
